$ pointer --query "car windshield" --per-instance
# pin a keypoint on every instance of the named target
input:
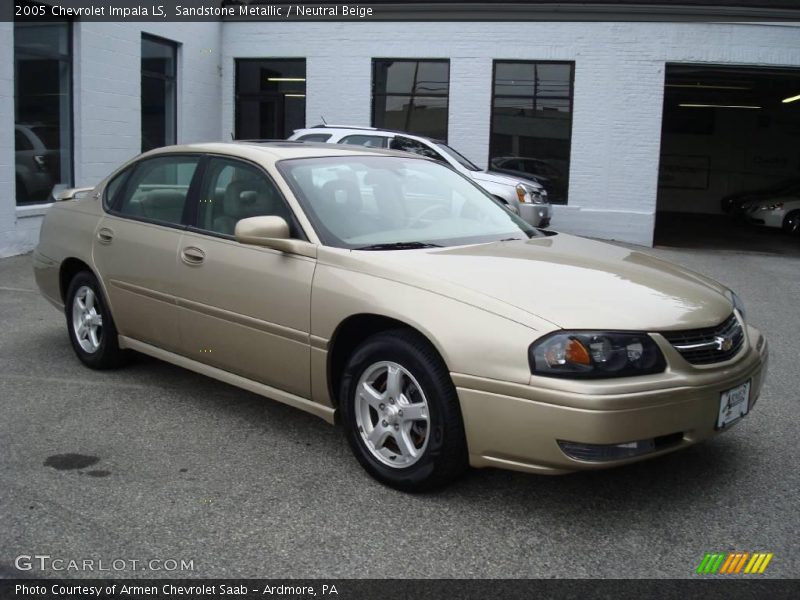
(388, 202)
(462, 160)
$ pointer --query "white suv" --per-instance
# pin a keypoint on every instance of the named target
(525, 197)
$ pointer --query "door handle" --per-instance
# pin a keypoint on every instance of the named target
(192, 255)
(105, 235)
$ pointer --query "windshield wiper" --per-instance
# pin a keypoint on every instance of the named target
(398, 246)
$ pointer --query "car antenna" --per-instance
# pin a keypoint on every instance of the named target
(324, 122)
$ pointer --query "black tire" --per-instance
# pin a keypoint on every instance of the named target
(791, 223)
(445, 457)
(108, 354)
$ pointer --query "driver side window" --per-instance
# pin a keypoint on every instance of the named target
(234, 190)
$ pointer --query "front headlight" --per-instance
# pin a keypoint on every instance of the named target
(527, 193)
(595, 355)
(737, 303)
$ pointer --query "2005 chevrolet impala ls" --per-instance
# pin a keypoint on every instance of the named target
(387, 288)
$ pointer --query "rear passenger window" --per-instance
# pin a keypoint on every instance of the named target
(409, 145)
(158, 189)
(234, 190)
(315, 137)
(370, 141)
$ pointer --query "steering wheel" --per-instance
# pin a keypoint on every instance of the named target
(427, 211)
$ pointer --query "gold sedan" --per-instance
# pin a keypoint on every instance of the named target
(390, 291)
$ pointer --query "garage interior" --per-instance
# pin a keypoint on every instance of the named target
(725, 130)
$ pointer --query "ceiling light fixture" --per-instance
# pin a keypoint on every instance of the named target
(717, 106)
(791, 99)
(702, 86)
(295, 95)
(286, 78)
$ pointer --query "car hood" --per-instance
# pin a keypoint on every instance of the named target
(571, 282)
(499, 179)
(787, 201)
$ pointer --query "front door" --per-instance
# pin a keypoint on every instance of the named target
(244, 309)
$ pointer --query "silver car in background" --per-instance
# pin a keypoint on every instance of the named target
(524, 197)
(782, 213)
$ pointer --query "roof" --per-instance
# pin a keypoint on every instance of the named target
(278, 150)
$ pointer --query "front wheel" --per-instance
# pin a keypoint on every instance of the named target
(90, 325)
(791, 223)
(401, 413)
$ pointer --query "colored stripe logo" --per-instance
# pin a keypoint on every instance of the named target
(734, 563)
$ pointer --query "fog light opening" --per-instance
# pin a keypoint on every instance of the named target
(609, 452)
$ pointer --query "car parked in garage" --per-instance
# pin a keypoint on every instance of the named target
(526, 197)
(388, 291)
(738, 203)
(780, 212)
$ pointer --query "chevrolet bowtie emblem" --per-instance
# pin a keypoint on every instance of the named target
(723, 343)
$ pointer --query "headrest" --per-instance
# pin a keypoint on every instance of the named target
(340, 194)
(245, 197)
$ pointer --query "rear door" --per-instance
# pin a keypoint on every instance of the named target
(136, 246)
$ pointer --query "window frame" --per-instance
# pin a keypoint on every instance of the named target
(239, 97)
(174, 47)
(572, 65)
(114, 208)
(411, 94)
(69, 59)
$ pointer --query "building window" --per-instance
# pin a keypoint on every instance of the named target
(42, 109)
(159, 97)
(411, 95)
(532, 122)
(270, 97)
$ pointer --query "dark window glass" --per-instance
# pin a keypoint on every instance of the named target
(159, 98)
(532, 120)
(158, 189)
(370, 141)
(114, 187)
(233, 190)
(270, 98)
(411, 95)
(315, 137)
(43, 109)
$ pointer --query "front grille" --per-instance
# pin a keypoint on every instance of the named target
(710, 344)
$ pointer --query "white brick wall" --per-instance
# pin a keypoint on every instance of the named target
(619, 72)
(618, 95)
(7, 184)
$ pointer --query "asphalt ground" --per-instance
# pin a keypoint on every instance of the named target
(170, 465)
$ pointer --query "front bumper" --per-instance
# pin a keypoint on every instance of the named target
(766, 218)
(518, 427)
(538, 215)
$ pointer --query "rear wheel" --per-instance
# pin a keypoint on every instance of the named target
(401, 413)
(90, 325)
(791, 223)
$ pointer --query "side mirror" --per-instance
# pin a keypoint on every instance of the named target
(271, 232)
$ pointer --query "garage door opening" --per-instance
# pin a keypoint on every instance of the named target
(729, 140)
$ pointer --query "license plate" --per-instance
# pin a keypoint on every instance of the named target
(733, 404)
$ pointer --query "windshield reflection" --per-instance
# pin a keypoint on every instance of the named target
(392, 203)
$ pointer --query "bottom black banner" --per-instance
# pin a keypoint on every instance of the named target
(396, 589)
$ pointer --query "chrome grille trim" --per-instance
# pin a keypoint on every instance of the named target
(708, 345)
